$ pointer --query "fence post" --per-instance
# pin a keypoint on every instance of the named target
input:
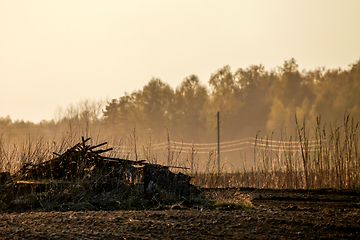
(218, 133)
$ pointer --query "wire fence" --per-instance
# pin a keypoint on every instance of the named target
(228, 146)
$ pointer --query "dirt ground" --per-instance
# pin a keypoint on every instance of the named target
(278, 214)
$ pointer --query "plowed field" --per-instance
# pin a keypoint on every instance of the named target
(278, 214)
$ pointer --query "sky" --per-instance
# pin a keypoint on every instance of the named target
(60, 52)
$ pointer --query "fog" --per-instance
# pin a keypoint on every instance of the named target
(178, 126)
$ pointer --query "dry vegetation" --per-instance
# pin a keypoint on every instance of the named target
(82, 179)
(328, 157)
(329, 160)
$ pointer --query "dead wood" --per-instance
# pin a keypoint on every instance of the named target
(82, 165)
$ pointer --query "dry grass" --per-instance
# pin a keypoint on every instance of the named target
(328, 157)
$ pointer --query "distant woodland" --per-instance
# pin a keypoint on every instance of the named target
(249, 100)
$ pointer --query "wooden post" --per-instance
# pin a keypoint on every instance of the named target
(218, 133)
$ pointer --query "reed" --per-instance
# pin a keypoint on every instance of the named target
(323, 156)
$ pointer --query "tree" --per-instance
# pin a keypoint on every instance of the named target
(224, 97)
(121, 113)
(155, 106)
(291, 82)
(254, 84)
(190, 98)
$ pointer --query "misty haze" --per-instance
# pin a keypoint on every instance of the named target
(179, 119)
(259, 110)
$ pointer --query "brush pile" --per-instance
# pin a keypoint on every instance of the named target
(82, 175)
(77, 163)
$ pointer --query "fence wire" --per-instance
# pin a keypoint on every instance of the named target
(228, 146)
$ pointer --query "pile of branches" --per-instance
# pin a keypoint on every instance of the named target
(83, 174)
(80, 162)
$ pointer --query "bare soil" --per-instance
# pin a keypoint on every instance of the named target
(278, 214)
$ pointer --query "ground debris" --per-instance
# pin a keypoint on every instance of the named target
(82, 175)
(77, 162)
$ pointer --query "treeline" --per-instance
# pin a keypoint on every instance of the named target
(249, 100)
